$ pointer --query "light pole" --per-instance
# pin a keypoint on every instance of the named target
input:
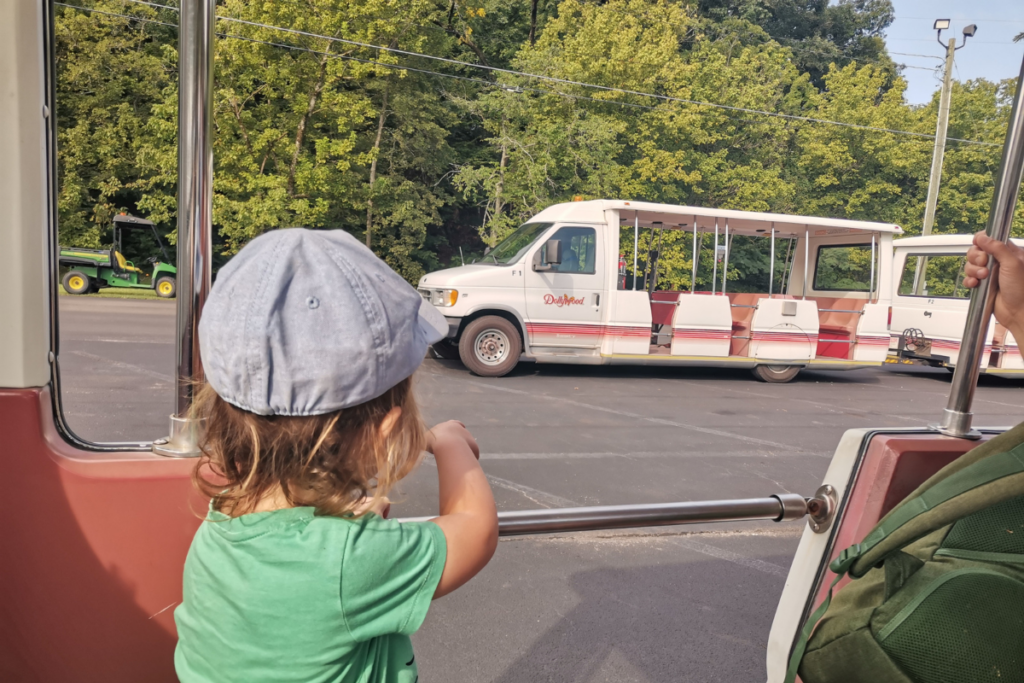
(940, 137)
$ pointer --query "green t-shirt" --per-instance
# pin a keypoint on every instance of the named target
(289, 596)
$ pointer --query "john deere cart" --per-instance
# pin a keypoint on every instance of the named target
(90, 270)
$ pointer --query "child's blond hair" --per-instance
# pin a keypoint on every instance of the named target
(335, 462)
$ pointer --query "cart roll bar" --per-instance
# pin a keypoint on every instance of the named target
(195, 210)
(956, 418)
(778, 508)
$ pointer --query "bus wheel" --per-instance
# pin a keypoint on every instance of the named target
(76, 282)
(447, 349)
(776, 374)
(165, 287)
(490, 346)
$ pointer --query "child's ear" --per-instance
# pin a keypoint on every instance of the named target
(387, 425)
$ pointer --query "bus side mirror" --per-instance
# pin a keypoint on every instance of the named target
(553, 252)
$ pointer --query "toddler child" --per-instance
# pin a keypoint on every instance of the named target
(309, 343)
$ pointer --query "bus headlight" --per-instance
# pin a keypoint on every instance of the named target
(444, 298)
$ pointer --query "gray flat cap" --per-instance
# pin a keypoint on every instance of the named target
(305, 322)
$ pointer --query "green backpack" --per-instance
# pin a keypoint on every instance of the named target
(939, 589)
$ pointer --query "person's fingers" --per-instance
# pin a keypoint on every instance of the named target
(977, 256)
(979, 272)
(1002, 251)
(970, 282)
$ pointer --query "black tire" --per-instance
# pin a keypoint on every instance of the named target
(76, 282)
(490, 346)
(165, 287)
(776, 374)
(447, 349)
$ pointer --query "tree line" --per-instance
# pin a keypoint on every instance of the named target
(340, 121)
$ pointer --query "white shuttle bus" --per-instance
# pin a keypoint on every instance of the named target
(929, 308)
(557, 291)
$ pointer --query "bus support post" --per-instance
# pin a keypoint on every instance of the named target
(195, 212)
(714, 267)
(957, 417)
(725, 261)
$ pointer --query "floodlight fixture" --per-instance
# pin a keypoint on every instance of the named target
(941, 24)
(969, 31)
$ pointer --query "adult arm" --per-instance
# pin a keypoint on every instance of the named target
(1009, 303)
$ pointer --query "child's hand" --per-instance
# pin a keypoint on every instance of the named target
(448, 431)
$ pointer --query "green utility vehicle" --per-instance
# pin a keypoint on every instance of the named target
(90, 270)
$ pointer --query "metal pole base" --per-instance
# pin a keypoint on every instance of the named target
(957, 424)
(183, 441)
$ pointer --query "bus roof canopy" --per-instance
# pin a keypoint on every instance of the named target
(674, 217)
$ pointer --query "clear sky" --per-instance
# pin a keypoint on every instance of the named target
(990, 54)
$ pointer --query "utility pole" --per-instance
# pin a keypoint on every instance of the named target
(940, 141)
(935, 178)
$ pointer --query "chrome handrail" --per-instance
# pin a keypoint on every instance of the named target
(776, 508)
(957, 417)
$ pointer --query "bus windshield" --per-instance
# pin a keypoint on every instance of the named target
(512, 248)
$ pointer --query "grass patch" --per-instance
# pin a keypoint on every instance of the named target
(118, 293)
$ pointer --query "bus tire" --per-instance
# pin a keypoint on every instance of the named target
(76, 282)
(447, 349)
(490, 346)
(776, 374)
(166, 287)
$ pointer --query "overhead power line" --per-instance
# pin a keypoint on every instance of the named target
(564, 81)
(122, 16)
(913, 54)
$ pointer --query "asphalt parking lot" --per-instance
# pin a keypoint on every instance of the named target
(687, 604)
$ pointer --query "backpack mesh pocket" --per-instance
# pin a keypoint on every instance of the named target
(998, 529)
(966, 626)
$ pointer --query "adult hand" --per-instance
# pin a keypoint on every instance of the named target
(452, 429)
(1009, 303)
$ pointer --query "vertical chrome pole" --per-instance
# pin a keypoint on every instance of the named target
(693, 278)
(956, 419)
(807, 257)
(636, 244)
(195, 209)
(871, 287)
(725, 261)
(647, 261)
(714, 267)
(771, 264)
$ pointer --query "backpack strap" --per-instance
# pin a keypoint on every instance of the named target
(873, 549)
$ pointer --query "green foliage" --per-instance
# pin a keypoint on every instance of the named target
(935, 276)
(110, 76)
(331, 135)
(820, 33)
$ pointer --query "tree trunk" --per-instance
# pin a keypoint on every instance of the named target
(300, 134)
(533, 21)
(500, 187)
(373, 164)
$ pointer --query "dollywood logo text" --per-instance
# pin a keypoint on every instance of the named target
(564, 300)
